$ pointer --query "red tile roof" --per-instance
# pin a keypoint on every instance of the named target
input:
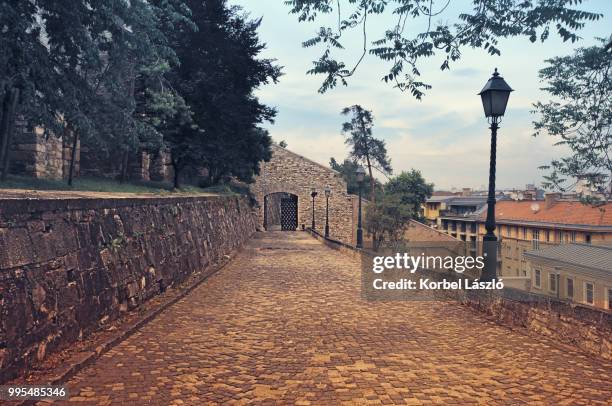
(561, 212)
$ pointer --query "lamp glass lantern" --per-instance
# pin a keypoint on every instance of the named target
(327, 191)
(360, 172)
(495, 95)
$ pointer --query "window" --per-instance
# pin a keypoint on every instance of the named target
(536, 239)
(524, 233)
(559, 237)
(587, 238)
(552, 282)
(516, 231)
(573, 236)
(609, 298)
(589, 293)
(570, 287)
(473, 228)
(537, 278)
(547, 235)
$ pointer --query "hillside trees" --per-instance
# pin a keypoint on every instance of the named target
(218, 72)
(149, 74)
(72, 65)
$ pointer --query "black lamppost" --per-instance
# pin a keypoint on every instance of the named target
(327, 194)
(313, 194)
(494, 97)
(360, 172)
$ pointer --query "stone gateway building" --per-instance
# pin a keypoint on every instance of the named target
(283, 192)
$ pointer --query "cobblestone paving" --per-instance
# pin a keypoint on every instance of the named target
(284, 324)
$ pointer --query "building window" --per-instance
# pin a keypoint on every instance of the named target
(589, 293)
(570, 287)
(587, 238)
(536, 239)
(524, 233)
(547, 234)
(573, 236)
(473, 228)
(559, 237)
(609, 298)
(552, 282)
(516, 231)
(537, 278)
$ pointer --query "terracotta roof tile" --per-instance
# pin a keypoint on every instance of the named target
(561, 212)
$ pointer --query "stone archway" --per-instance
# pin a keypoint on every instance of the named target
(288, 173)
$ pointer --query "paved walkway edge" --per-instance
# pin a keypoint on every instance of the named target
(90, 358)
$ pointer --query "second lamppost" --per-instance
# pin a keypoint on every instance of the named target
(494, 97)
(327, 194)
(313, 194)
(360, 172)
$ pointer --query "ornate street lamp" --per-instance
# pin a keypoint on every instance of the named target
(360, 172)
(327, 194)
(313, 194)
(494, 97)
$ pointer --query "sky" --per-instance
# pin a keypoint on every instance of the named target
(445, 135)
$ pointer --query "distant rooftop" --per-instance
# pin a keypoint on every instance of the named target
(593, 257)
(560, 212)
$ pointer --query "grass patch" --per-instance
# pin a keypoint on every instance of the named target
(100, 185)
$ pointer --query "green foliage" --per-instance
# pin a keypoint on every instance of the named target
(387, 218)
(365, 149)
(412, 190)
(580, 115)
(405, 43)
(347, 169)
(218, 73)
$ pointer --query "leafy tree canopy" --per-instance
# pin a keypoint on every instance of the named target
(411, 189)
(347, 169)
(218, 74)
(421, 29)
(579, 114)
(386, 219)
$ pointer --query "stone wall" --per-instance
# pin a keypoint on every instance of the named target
(289, 172)
(68, 265)
(40, 155)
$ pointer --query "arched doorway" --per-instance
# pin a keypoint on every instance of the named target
(280, 211)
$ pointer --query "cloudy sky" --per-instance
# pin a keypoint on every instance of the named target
(445, 135)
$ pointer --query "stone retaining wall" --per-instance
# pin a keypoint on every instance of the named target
(67, 266)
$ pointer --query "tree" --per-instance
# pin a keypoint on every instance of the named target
(581, 116)
(282, 144)
(73, 65)
(412, 190)
(347, 169)
(218, 73)
(386, 219)
(364, 147)
(404, 43)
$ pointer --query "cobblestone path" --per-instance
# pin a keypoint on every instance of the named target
(284, 324)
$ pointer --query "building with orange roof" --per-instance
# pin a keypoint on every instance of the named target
(531, 225)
